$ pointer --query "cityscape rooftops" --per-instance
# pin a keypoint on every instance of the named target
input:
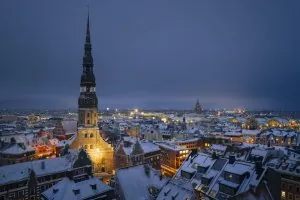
(15, 172)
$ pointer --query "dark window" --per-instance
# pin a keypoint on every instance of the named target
(88, 121)
(32, 191)
(88, 114)
(21, 193)
(91, 135)
(86, 135)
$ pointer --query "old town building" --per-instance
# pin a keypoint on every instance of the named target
(130, 152)
(27, 180)
(172, 157)
(14, 152)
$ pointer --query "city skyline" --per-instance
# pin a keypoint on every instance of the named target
(241, 56)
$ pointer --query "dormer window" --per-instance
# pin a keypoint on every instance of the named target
(76, 191)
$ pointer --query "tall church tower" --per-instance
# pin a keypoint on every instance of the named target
(88, 135)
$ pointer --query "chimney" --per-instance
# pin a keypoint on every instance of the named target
(93, 186)
(76, 191)
(258, 168)
(70, 174)
(194, 152)
(43, 165)
(231, 159)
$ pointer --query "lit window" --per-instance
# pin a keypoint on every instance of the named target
(282, 194)
(86, 146)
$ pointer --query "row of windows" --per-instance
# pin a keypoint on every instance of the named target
(289, 196)
(88, 115)
(89, 146)
(285, 186)
(89, 135)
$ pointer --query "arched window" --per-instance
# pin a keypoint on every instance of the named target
(91, 135)
(86, 135)
(86, 146)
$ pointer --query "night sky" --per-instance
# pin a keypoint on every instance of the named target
(152, 54)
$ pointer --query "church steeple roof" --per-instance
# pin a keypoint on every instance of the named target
(88, 97)
(198, 107)
(87, 77)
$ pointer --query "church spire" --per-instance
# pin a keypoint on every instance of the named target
(88, 97)
(87, 37)
(198, 107)
(88, 78)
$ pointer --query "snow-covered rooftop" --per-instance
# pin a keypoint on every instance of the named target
(15, 172)
(86, 189)
(139, 181)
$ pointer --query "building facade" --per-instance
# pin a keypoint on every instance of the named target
(172, 157)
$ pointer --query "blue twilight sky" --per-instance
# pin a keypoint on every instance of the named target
(152, 54)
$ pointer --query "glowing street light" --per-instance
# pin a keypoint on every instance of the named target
(136, 110)
(107, 109)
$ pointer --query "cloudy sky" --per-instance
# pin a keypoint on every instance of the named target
(152, 54)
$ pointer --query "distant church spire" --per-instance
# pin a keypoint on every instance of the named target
(198, 107)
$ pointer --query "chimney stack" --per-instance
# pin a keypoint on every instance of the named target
(43, 165)
(231, 159)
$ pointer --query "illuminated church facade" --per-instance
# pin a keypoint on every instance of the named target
(88, 134)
